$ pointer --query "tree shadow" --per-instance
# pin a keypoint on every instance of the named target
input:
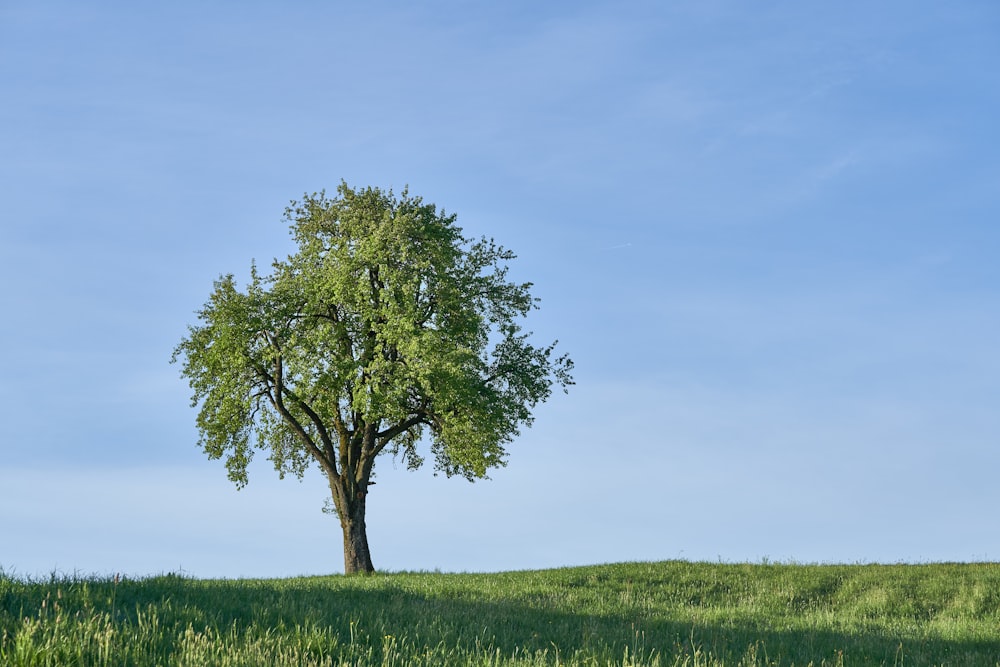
(370, 610)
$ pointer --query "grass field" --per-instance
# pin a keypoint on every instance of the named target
(670, 613)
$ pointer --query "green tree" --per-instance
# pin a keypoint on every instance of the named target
(386, 329)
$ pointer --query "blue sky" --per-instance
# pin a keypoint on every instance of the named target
(766, 233)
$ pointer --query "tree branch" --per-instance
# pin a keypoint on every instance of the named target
(387, 435)
(279, 404)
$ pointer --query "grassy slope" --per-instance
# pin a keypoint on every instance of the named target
(627, 614)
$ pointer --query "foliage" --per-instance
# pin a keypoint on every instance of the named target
(381, 321)
(671, 613)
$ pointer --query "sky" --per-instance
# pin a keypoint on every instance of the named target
(767, 234)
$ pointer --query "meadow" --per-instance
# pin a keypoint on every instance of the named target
(630, 615)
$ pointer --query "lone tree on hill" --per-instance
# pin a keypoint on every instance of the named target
(385, 326)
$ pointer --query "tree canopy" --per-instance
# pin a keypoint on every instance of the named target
(385, 330)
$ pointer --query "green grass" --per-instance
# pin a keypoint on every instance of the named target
(667, 614)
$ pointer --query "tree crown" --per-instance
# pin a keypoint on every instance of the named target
(386, 326)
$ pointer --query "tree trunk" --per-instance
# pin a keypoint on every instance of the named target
(350, 506)
(357, 557)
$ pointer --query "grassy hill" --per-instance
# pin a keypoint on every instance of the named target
(670, 613)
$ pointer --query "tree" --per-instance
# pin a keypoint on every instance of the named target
(385, 330)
